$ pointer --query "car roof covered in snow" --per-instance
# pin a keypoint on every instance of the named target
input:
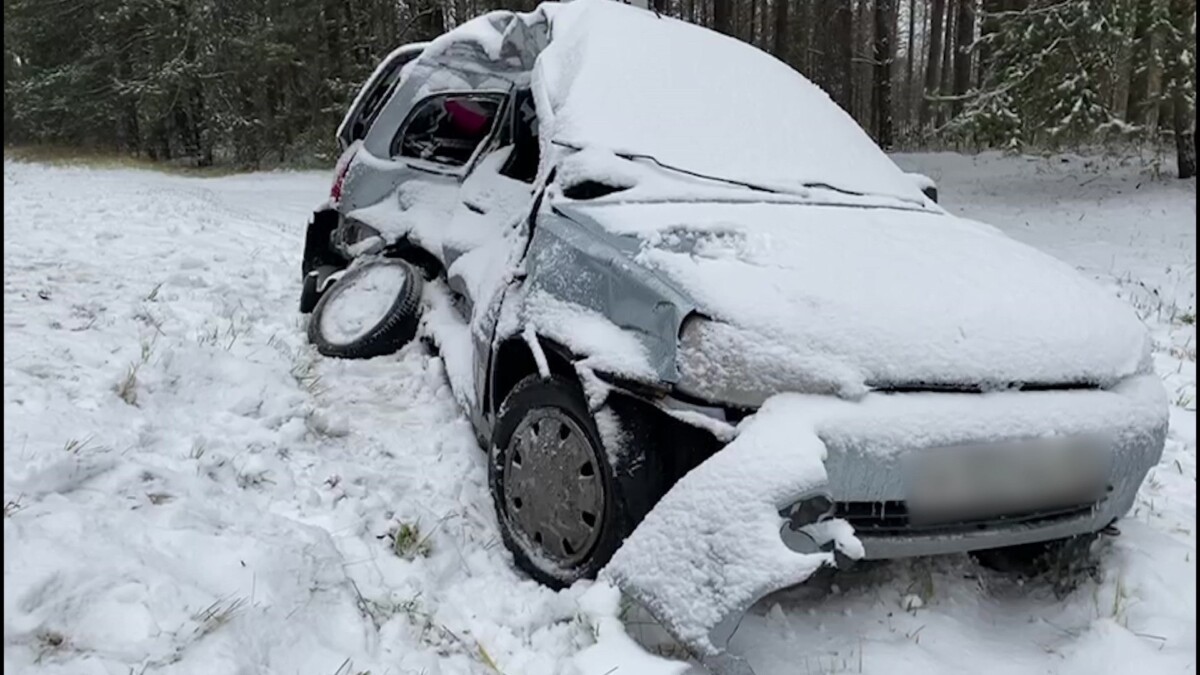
(624, 79)
(633, 82)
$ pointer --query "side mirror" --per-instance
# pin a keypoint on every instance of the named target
(925, 184)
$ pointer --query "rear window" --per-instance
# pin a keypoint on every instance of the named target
(374, 100)
(447, 128)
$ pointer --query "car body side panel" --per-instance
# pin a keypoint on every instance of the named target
(374, 174)
(426, 79)
(577, 262)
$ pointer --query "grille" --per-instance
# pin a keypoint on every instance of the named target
(890, 518)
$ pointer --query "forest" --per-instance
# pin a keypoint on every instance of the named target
(261, 83)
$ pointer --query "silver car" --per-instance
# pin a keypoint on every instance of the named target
(625, 233)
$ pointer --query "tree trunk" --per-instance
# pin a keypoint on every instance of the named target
(988, 27)
(834, 38)
(780, 46)
(1185, 138)
(882, 104)
(947, 58)
(1139, 79)
(433, 19)
(803, 37)
(910, 58)
(844, 33)
(863, 73)
(750, 30)
(964, 26)
(723, 16)
(1181, 55)
(933, 62)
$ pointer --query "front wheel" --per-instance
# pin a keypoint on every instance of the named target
(563, 506)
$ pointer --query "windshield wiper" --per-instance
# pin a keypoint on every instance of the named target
(827, 186)
(729, 181)
(649, 158)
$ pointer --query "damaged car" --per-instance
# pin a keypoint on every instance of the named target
(711, 336)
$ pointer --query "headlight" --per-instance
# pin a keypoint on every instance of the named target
(711, 367)
(802, 531)
(726, 364)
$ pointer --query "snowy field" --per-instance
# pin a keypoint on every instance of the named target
(189, 488)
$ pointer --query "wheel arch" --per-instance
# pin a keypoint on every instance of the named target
(419, 257)
(683, 445)
(514, 360)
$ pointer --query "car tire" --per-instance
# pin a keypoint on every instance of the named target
(530, 501)
(394, 327)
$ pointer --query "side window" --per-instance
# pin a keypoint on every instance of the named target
(447, 128)
(375, 95)
(375, 99)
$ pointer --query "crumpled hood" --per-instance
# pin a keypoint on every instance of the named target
(843, 300)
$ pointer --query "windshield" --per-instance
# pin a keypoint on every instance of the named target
(623, 79)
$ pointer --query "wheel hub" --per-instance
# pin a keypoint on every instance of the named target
(553, 491)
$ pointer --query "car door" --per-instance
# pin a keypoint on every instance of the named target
(498, 190)
(483, 274)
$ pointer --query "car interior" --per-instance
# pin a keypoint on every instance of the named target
(447, 129)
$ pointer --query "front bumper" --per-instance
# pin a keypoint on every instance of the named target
(868, 443)
(998, 532)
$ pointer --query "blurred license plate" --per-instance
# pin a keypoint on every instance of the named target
(972, 481)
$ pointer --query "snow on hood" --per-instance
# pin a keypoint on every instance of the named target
(622, 78)
(867, 298)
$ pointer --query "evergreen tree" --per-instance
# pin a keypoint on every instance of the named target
(1045, 76)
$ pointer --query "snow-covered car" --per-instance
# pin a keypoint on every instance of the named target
(633, 239)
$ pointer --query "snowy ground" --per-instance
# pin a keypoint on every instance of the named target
(190, 489)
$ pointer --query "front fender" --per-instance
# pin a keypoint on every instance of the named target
(574, 261)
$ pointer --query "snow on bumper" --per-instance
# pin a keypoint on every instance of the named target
(712, 547)
(870, 441)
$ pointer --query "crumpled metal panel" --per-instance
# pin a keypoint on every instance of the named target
(465, 64)
(575, 260)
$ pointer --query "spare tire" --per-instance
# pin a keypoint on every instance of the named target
(372, 310)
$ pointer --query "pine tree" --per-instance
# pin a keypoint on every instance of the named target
(933, 63)
(1046, 77)
(1180, 85)
(881, 108)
